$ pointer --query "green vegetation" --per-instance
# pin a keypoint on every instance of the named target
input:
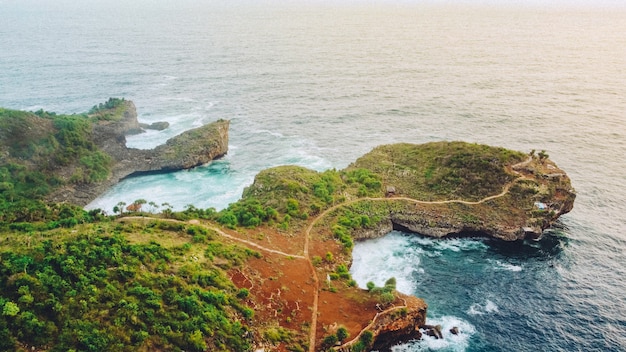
(103, 286)
(192, 142)
(386, 293)
(95, 291)
(111, 110)
(43, 151)
(247, 213)
(287, 195)
(277, 335)
(342, 333)
(331, 340)
(441, 170)
(365, 341)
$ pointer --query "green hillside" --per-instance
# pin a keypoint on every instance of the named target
(42, 151)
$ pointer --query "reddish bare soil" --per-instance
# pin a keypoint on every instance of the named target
(283, 289)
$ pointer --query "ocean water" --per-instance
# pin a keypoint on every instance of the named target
(319, 83)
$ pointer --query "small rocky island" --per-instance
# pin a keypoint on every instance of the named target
(268, 273)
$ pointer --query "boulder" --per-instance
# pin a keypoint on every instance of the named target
(158, 126)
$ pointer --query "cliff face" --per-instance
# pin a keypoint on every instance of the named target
(393, 326)
(402, 325)
(187, 150)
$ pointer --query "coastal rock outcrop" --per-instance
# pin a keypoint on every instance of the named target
(449, 189)
(190, 149)
(393, 326)
(158, 126)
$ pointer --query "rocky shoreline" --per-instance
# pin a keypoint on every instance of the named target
(190, 149)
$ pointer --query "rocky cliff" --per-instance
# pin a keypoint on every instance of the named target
(187, 150)
(393, 326)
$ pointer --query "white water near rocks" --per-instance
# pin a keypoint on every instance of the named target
(318, 84)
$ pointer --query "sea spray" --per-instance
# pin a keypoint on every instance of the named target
(450, 342)
(379, 259)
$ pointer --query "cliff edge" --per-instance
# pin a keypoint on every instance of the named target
(448, 189)
(190, 149)
(75, 158)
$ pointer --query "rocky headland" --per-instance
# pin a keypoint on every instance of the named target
(441, 189)
(190, 149)
(510, 201)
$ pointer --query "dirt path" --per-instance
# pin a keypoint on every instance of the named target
(221, 233)
(250, 243)
(314, 221)
(312, 337)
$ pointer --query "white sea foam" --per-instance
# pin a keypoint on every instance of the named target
(451, 244)
(379, 259)
(475, 309)
(33, 108)
(450, 342)
(183, 99)
(486, 308)
(490, 307)
(178, 124)
(198, 122)
(498, 265)
(179, 188)
(272, 133)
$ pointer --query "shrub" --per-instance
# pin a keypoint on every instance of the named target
(367, 337)
(386, 298)
(329, 341)
(342, 333)
(243, 293)
(316, 260)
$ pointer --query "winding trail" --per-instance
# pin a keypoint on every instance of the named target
(309, 228)
(250, 243)
(306, 255)
(221, 233)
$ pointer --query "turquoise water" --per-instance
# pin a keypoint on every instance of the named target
(318, 84)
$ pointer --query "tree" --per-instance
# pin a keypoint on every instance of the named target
(342, 333)
(390, 284)
(367, 337)
(386, 298)
(167, 209)
(153, 207)
(119, 208)
(330, 341)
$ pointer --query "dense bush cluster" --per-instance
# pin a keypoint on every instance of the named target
(247, 213)
(385, 293)
(37, 146)
(101, 293)
(108, 110)
(283, 194)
